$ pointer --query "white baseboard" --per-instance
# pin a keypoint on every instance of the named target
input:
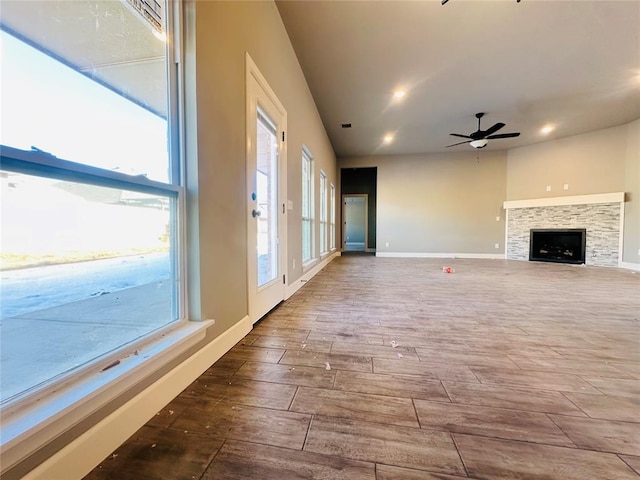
(309, 274)
(489, 256)
(630, 266)
(80, 456)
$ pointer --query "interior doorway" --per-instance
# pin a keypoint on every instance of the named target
(354, 182)
(354, 218)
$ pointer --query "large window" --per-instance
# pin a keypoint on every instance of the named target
(332, 217)
(307, 206)
(90, 186)
(323, 212)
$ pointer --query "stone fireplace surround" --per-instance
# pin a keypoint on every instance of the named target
(600, 214)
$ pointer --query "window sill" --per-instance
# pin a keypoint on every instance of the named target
(37, 420)
(309, 264)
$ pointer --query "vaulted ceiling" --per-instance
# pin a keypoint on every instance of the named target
(573, 65)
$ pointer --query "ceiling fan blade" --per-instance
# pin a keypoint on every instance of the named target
(492, 130)
(504, 135)
(461, 143)
(461, 136)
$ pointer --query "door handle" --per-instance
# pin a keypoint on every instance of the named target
(255, 213)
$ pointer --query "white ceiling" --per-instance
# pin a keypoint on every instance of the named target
(573, 64)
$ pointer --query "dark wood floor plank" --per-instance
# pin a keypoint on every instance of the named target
(492, 459)
(607, 407)
(518, 398)
(254, 354)
(579, 367)
(633, 462)
(616, 387)
(259, 425)
(288, 374)
(356, 406)
(327, 360)
(491, 422)
(243, 391)
(439, 371)
(292, 343)
(379, 351)
(463, 358)
(394, 385)
(165, 417)
(387, 472)
(543, 380)
(601, 435)
(155, 453)
(242, 460)
(391, 445)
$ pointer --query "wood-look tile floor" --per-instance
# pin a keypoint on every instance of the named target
(391, 369)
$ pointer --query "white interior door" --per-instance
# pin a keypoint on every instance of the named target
(266, 194)
(354, 214)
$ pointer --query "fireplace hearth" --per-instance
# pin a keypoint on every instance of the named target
(558, 245)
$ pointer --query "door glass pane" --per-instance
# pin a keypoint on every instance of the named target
(267, 200)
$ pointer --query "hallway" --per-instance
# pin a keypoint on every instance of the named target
(388, 368)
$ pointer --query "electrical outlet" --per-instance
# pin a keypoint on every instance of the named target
(497, 218)
(566, 186)
(497, 245)
(386, 244)
(548, 188)
(294, 264)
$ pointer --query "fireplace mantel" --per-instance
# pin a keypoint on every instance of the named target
(569, 200)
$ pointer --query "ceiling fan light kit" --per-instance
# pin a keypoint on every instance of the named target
(479, 143)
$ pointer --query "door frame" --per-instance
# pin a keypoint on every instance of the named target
(257, 87)
(366, 219)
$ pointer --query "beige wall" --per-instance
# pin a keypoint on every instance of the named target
(631, 251)
(588, 163)
(224, 32)
(439, 203)
(603, 161)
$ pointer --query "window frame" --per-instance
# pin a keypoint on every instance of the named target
(332, 217)
(38, 416)
(308, 206)
(323, 213)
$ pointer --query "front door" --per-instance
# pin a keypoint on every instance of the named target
(266, 183)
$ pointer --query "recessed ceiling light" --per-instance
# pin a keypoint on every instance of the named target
(399, 93)
(388, 138)
(546, 130)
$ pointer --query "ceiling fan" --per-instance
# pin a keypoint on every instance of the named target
(480, 138)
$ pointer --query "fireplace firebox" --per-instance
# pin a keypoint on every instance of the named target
(558, 245)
